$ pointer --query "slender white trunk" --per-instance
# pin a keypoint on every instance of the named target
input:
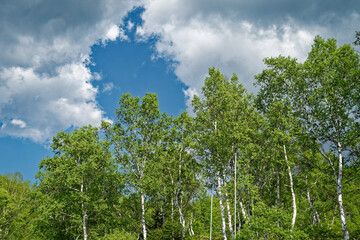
(172, 216)
(182, 220)
(172, 208)
(235, 161)
(229, 215)
(84, 213)
(228, 209)
(316, 218)
(243, 211)
(191, 229)
(143, 214)
(292, 190)
(339, 195)
(221, 208)
(239, 225)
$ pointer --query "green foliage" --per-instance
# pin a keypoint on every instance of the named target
(15, 207)
(267, 223)
(119, 235)
(297, 142)
(77, 187)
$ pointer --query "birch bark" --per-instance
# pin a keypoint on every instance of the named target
(228, 209)
(143, 215)
(292, 190)
(339, 195)
(221, 207)
(84, 213)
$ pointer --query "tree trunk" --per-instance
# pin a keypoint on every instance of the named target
(239, 223)
(221, 207)
(191, 229)
(172, 216)
(316, 218)
(292, 191)
(235, 188)
(143, 214)
(172, 208)
(84, 213)
(182, 219)
(228, 209)
(339, 195)
(229, 215)
(243, 211)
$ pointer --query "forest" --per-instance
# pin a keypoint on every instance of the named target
(279, 164)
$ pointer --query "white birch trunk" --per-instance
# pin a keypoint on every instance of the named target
(172, 209)
(221, 208)
(228, 209)
(84, 213)
(229, 215)
(339, 195)
(292, 191)
(182, 220)
(316, 218)
(239, 225)
(143, 215)
(235, 205)
(191, 229)
(243, 211)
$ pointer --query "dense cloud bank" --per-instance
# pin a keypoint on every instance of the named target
(45, 82)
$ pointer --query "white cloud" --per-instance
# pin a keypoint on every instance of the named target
(113, 33)
(130, 25)
(235, 36)
(48, 103)
(108, 87)
(45, 84)
(19, 123)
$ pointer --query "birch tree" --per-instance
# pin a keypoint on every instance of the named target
(180, 168)
(15, 207)
(136, 139)
(222, 118)
(78, 186)
(324, 94)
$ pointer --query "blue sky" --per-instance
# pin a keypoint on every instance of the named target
(65, 64)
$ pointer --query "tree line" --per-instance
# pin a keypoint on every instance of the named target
(281, 164)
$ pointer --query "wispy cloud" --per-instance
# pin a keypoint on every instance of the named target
(107, 87)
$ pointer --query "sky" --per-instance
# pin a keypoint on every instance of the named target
(65, 64)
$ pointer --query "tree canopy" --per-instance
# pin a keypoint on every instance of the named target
(279, 164)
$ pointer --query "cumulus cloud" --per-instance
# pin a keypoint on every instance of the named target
(45, 84)
(235, 36)
(113, 33)
(45, 102)
(19, 123)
